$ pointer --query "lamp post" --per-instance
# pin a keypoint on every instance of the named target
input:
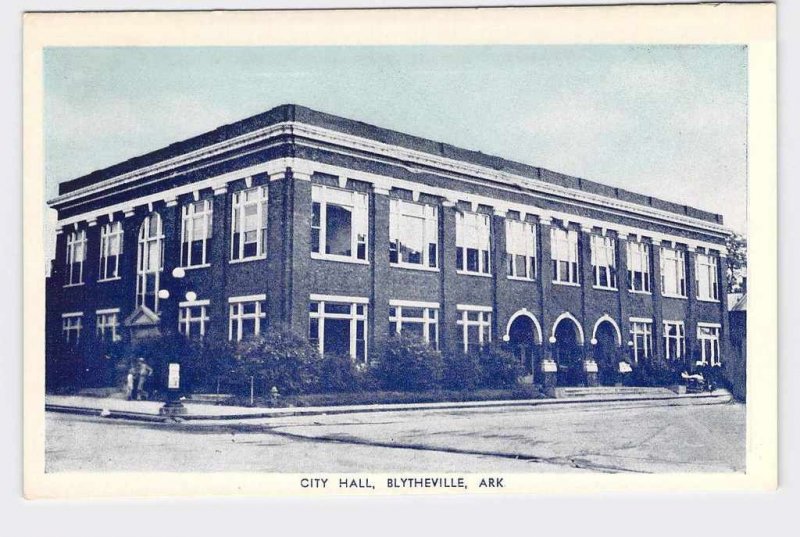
(172, 402)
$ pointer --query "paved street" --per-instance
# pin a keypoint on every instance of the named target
(609, 437)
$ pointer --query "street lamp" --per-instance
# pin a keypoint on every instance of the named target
(172, 404)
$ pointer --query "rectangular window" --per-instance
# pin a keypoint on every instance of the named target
(674, 340)
(521, 249)
(708, 338)
(71, 324)
(476, 326)
(472, 242)
(338, 325)
(76, 255)
(413, 234)
(642, 337)
(195, 232)
(249, 224)
(707, 279)
(110, 250)
(673, 272)
(107, 325)
(638, 267)
(604, 261)
(193, 319)
(564, 255)
(247, 315)
(340, 222)
(420, 320)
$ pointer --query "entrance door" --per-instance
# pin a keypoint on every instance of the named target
(521, 341)
(606, 354)
(568, 354)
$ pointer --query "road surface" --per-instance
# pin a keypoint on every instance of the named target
(607, 437)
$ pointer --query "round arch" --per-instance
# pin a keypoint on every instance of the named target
(567, 315)
(606, 317)
(523, 313)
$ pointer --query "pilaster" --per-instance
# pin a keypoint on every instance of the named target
(450, 335)
(379, 260)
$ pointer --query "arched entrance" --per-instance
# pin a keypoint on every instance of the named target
(606, 353)
(568, 352)
(523, 336)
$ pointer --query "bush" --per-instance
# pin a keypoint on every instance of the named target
(409, 364)
(338, 373)
(282, 359)
(461, 371)
(499, 368)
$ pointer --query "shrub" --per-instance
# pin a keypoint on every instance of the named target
(409, 364)
(282, 359)
(499, 368)
(338, 373)
(461, 371)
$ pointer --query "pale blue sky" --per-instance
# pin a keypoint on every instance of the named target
(668, 121)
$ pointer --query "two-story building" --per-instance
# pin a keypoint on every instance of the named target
(348, 232)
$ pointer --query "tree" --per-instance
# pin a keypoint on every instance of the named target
(737, 263)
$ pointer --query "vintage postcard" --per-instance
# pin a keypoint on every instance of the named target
(407, 251)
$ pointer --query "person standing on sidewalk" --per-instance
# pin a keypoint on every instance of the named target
(129, 383)
(143, 372)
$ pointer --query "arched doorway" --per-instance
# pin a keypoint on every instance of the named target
(522, 335)
(606, 353)
(568, 353)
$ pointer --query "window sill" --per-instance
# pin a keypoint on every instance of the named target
(520, 279)
(114, 279)
(709, 300)
(414, 267)
(567, 284)
(246, 259)
(338, 259)
(74, 284)
(635, 292)
(206, 265)
(470, 273)
(681, 297)
(601, 288)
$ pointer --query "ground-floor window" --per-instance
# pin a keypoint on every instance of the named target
(642, 336)
(107, 324)
(674, 340)
(418, 319)
(708, 338)
(71, 324)
(338, 325)
(193, 318)
(476, 326)
(247, 315)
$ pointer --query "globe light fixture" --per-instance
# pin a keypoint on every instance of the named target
(178, 272)
(191, 296)
(163, 294)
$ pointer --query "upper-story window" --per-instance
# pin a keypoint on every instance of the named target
(472, 242)
(673, 272)
(604, 262)
(340, 222)
(110, 250)
(249, 224)
(76, 255)
(521, 249)
(196, 228)
(564, 255)
(638, 267)
(150, 262)
(413, 234)
(707, 279)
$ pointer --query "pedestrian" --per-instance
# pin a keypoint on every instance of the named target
(143, 371)
(129, 384)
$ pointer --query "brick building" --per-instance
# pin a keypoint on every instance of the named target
(347, 232)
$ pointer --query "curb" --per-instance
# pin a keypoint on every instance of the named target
(676, 400)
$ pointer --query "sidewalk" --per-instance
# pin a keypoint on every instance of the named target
(148, 410)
